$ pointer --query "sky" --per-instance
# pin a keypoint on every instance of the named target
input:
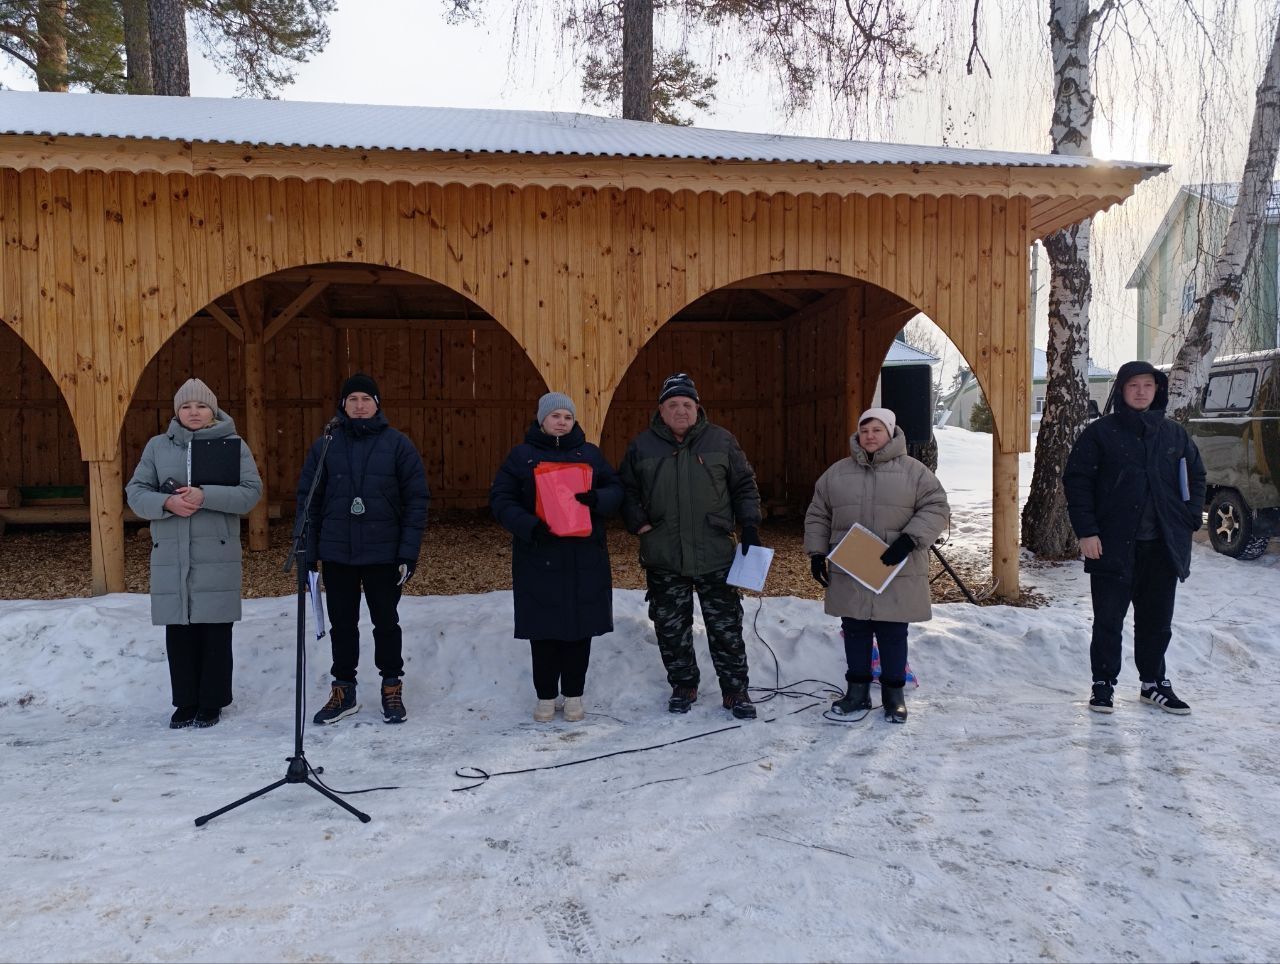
(1003, 822)
(1176, 93)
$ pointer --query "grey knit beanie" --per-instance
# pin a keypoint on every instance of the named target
(194, 390)
(549, 402)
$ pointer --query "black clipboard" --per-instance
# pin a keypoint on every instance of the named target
(215, 461)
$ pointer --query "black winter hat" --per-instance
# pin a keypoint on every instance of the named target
(359, 382)
(1132, 369)
(678, 384)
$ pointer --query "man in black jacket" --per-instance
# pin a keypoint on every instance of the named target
(367, 520)
(1135, 492)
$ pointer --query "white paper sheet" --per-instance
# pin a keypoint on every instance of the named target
(751, 570)
(317, 606)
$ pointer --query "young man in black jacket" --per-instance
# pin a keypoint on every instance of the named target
(1135, 492)
(367, 520)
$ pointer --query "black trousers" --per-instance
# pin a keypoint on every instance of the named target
(200, 664)
(1150, 591)
(892, 640)
(342, 587)
(560, 666)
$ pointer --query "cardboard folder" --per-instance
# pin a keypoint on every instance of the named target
(858, 554)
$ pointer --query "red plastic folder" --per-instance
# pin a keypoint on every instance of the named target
(555, 485)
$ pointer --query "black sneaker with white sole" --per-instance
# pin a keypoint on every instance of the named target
(1103, 698)
(1162, 695)
(342, 703)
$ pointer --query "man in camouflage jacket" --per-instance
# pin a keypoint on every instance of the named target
(686, 483)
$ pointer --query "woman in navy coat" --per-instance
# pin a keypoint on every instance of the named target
(562, 586)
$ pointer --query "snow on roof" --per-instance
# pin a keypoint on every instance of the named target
(900, 353)
(1040, 367)
(373, 127)
(1228, 194)
(1217, 193)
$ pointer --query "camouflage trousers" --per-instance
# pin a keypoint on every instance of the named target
(671, 609)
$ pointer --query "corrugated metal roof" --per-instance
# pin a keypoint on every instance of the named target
(371, 127)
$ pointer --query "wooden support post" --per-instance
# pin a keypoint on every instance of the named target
(249, 302)
(1004, 520)
(106, 524)
(855, 375)
(255, 433)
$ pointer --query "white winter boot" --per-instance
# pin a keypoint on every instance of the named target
(544, 711)
(573, 709)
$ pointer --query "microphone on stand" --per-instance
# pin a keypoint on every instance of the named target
(332, 426)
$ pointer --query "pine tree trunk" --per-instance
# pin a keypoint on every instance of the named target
(137, 47)
(1215, 313)
(637, 60)
(51, 45)
(1046, 528)
(168, 28)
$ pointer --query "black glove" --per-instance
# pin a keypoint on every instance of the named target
(589, 498)
(750, 537)
(902, 547)
(818, 566)
(406, 570)
(541, 532)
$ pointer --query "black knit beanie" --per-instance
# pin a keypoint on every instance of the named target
(359, 382)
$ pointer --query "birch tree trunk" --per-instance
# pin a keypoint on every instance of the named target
(1046, 529)
(637, 60)
(51, 45)
(1215, 313)
(170, 72)
(137, 47)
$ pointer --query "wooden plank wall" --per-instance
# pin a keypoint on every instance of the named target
(815, 395)
(37, 436)
(98, 270)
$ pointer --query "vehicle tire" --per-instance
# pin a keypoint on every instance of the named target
(1231, 526)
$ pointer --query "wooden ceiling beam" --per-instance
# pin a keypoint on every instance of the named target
(291, 311)
(225, 320)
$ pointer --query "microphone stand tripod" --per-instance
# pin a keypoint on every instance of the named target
(298, 767)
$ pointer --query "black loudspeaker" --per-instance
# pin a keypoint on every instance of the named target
(907, 391)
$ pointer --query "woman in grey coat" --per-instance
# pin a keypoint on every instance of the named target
(887, 491)
(195, 553)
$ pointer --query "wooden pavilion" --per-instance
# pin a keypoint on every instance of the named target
(471, 259)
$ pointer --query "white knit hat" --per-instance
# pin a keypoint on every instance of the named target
(883, 414)
(194, 390)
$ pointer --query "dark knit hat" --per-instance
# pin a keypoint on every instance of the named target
(678, 384)
(359, 382)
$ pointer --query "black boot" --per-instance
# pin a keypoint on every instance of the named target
(856, 698)
(895, 702)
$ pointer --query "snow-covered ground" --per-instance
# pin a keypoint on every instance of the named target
(1003, 822)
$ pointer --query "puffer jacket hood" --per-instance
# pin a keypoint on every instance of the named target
(1115, 401)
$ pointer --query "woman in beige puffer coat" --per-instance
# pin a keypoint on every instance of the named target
(887, 491)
